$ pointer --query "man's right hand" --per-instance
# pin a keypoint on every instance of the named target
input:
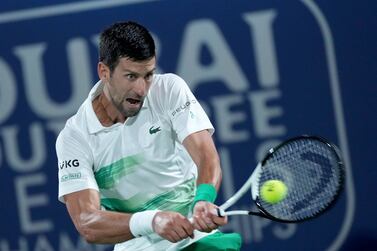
(172, 226)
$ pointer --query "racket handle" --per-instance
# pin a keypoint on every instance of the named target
(220, 212)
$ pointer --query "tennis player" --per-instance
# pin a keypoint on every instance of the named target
(137, 159)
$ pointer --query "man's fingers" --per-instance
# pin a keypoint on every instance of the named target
(172, 237)
(181, 232)
(204, 224)
(206, 217)
(220, 220)
(200, 224)
(189, 229)
(172, 226)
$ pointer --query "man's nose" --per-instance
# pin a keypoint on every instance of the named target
(141, 87)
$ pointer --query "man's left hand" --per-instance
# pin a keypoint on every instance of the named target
(205, 217)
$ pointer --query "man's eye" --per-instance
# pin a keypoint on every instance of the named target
(130, 76)
(149, 76)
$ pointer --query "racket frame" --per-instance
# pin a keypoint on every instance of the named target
(254, 177)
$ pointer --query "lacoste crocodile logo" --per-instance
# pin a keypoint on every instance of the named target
(154, 130)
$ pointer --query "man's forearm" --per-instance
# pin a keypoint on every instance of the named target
(210, 174)
(103, 227)
(203, 152)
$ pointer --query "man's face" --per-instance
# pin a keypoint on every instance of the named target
(129, 84)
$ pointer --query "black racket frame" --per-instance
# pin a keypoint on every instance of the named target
(263, 213)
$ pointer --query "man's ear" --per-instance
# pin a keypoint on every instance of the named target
(103, 72)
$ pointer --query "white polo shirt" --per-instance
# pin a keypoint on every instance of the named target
(140, 164)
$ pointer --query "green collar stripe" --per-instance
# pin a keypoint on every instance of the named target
(107, 176)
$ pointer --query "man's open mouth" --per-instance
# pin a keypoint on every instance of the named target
(133, 101)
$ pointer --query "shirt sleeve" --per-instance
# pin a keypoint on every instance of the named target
(186, 114)
(75, 162)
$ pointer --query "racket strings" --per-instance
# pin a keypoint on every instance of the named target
(310, 169)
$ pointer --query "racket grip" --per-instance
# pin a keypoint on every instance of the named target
(220, 212)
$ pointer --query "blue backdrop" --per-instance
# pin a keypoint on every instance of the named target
(263, 70)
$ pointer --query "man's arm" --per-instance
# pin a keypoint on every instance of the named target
(105, 227)
(94, 224)
(203, 152)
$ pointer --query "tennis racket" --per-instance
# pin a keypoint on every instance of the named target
(313, 172)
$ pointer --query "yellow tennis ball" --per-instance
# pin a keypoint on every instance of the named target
(273, 191)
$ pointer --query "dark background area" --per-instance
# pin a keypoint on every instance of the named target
(319, 77)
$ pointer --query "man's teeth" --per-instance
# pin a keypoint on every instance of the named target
(133, 101)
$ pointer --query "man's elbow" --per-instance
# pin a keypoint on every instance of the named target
(84, 226)
(90, 238)
(88, 234)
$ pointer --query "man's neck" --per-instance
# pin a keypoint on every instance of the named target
(106, 112)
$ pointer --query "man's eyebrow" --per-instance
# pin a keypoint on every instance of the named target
(129, 71)
(136, 73)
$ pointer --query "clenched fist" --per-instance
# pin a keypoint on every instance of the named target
(172, 226)
(205, 217)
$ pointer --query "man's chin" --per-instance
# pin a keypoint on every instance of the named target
(131, 112)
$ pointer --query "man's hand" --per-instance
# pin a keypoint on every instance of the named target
(205, 217)
(172, 226)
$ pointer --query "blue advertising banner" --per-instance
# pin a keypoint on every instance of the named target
(263, 70)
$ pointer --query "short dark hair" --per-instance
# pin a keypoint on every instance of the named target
(125, 39)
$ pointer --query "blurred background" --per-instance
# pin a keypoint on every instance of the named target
(264, 71)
